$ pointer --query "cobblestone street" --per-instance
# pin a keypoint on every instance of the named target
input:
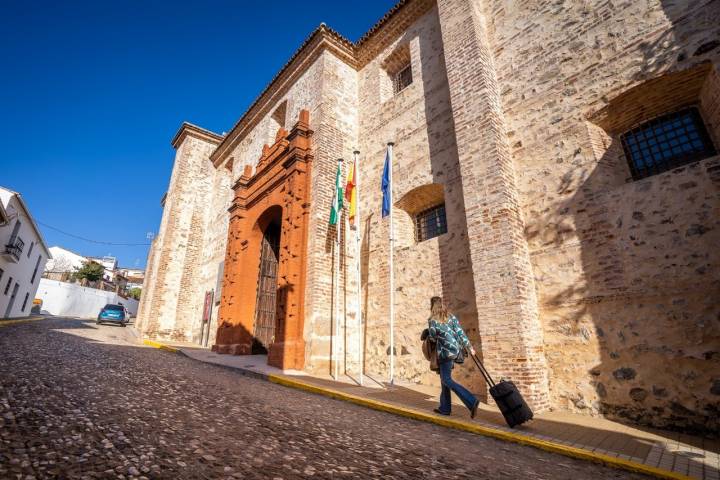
(82, 401)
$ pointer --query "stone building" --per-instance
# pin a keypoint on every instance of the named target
(556, 180)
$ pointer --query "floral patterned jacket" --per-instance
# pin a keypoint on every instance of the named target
(450, 337)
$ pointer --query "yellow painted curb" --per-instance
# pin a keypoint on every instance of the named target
(483, 430)
(7, 323)
(161, 346)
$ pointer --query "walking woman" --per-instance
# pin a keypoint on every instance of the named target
(445, 330)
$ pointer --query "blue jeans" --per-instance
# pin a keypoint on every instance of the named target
(448, 384)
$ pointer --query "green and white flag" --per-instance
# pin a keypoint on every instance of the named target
(337, 203)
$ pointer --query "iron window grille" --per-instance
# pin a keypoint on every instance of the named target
(15, 248)
(430, 223)
(667, 142)
(403, 79)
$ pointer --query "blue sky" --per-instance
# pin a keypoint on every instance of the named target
(91, 94)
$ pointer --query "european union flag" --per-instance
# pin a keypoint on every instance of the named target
(386, 188)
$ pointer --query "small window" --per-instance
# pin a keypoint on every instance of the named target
(403, 79)
(32, 244)
(430, 223)
(27, 294)
(667, 142)
(7, 286)
(1, 273)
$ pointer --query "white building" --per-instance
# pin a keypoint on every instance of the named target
(110, 265)
(134, 276)
(23, 254)
(64, 261)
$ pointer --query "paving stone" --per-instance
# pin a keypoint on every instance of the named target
(125, 411)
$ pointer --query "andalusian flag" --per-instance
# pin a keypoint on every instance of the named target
(351, 193)
(337, 203)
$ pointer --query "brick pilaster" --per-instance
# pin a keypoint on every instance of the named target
(509, 325)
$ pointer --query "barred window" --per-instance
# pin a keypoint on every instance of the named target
(667, 142)
(403, 79)
(430, 223)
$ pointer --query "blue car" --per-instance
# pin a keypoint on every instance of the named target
(112, 313)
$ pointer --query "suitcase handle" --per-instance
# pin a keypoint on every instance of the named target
(483, 370)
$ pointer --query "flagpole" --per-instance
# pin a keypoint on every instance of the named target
(336, 303)
(392, 272)
(356, 172)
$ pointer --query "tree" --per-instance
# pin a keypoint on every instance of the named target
(59, 264)
(135, 293)
(91, 271)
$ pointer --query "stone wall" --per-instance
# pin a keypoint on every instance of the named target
(419, 120)
(594, 292)
(626, 274)
(327, 89)
(175, 286)
(335, 137)
(505, 295)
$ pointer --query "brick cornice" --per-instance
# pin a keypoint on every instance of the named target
(323, 38)
(188, 129)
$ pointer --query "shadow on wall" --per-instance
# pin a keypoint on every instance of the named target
(629, 278)
(456, 269)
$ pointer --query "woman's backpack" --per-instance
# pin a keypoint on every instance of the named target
(429, 349)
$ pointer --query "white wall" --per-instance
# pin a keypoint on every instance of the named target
(73, 300)
(21, 271)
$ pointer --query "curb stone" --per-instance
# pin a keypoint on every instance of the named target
(456, 424)
(161, 346)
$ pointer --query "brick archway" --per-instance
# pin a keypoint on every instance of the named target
(281, 183)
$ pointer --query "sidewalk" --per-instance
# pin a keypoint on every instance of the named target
(653, 452)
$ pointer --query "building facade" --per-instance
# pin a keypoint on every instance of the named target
(556, 180)
(22, 256)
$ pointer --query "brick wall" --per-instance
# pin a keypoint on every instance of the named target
(625, 271)
(510, 329)
(593, 292)
(174, 292)
(419, 120)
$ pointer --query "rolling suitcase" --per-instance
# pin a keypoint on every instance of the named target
(507, 397)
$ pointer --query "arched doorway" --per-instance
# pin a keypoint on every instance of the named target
(263, 293)
(267, 286)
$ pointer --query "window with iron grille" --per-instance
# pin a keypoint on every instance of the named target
(403, 79)
(430, 223)
(667, 142)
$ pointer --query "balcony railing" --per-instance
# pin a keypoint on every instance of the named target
(14, 249)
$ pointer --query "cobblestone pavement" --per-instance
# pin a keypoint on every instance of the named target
(81, 401)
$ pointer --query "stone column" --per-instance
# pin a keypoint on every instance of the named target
(509, 325)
